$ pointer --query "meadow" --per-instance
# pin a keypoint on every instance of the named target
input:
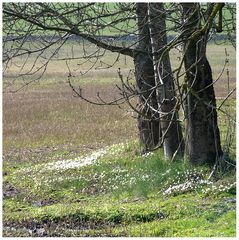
(71, 168)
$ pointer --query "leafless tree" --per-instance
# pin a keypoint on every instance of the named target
(202, 128)
(164, 81)
(160, 90)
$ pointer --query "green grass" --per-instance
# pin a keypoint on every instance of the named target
(121, 195)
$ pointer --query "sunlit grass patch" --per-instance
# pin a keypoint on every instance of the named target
(120, 194)
(116, 169)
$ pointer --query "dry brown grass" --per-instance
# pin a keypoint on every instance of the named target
(52, 117)
(216, 55)
(46, 117)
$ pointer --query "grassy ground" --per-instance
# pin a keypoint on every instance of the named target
(47, 136)
(121, 194)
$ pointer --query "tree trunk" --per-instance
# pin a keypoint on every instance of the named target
(203, 137)
(164, 80)
(149, 128)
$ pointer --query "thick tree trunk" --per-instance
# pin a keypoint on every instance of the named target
(164, 80)
(203, 138)
(149, 128)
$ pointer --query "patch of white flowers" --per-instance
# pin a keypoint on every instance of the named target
(186, 181)
(186, 186)
(61, 171)
(76, 162)
(220, 188)
(195, 180)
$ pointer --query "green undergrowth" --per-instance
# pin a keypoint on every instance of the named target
(121, 194)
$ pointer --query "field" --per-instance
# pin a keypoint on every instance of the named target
(71, 168)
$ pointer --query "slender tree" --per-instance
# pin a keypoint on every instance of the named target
(164, 82)
(148, 120)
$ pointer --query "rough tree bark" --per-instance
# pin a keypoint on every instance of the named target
(149, 129)
(203, 137)
(166, 97)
